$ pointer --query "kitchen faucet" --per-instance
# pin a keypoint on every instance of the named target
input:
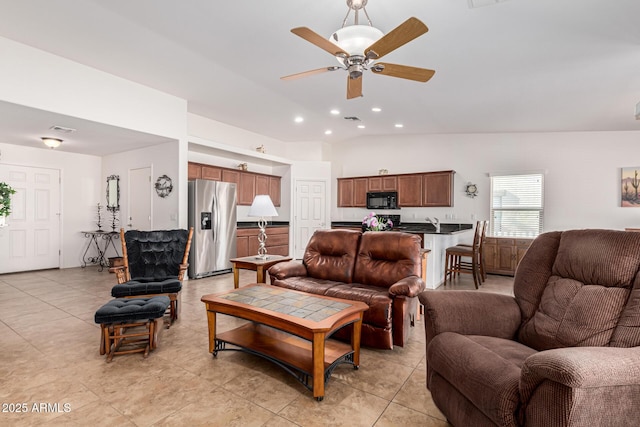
(435, 221)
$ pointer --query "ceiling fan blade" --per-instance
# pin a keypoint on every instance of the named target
(316, 39)
(403, 71)
(402, 34)
(354, 87)
(309, 73)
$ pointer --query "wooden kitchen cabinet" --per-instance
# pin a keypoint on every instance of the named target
(502, 255)
(211, 172)
(410, 190)
(352, 192)
(382, 183)
(248, 184)
(437, 189)
(277, 242)
(247, 188)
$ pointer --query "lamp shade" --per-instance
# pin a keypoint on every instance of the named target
(262, 206)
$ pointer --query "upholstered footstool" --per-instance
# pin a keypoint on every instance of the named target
(148, 287)
(130, 325)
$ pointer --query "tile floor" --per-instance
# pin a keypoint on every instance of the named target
(51, 368)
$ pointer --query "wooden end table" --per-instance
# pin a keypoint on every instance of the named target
(289, 328)
(259, 265)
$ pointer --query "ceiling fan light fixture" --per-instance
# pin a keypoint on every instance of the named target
(51, 142)
(354, 39)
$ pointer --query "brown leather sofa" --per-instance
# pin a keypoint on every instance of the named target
(564, 351)
(380, 268)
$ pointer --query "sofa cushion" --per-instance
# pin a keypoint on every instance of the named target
(378, 300)
(331, 254)
(385, 257)
(485, 370)
(582, 301)
(305, 284)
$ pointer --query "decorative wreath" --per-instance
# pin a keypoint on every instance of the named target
(164, 186)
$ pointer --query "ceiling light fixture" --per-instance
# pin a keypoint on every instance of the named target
(51, 142)
(376, 109)
(399, 125)
(335, 112)
(298, 119)
(360, 126)
(328, 132)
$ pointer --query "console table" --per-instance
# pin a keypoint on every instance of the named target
(100, 240)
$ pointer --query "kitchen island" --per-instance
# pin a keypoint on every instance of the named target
(436, 241)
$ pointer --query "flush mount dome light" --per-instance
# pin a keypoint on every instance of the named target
(51, 142)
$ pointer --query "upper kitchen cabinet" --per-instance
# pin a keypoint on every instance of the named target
(248, 184)
(383, 183)
(352, 192)
(437, 189)
(425, 189)
(410, 190)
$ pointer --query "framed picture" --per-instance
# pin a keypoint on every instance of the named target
(630, 196)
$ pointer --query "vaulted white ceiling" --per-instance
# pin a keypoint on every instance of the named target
(514, 66)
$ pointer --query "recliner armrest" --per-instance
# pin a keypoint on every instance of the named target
(470, 313)
(409, 286)
(283, 270)
(582, 367)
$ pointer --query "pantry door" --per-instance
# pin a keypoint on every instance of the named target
(31, 239)
(310, 212)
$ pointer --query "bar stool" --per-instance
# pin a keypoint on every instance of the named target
(456, 258)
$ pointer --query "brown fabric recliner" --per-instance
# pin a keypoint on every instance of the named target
(380, 268)
(563, 352)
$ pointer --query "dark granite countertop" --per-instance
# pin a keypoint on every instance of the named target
(414, 227)
(254, 224)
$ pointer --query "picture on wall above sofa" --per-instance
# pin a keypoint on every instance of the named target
(630, 186)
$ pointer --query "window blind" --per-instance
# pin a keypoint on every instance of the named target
(517, 205)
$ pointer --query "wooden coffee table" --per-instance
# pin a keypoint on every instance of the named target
(259, 265)
(289, 328)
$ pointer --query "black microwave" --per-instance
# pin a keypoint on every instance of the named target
(382, 200)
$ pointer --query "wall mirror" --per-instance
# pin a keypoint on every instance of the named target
(113, 193)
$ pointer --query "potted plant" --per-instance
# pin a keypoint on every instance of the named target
(5, 201)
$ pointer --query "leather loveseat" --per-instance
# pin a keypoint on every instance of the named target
(563, 351)
(380, 268)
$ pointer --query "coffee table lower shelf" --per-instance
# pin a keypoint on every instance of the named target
(292, 353)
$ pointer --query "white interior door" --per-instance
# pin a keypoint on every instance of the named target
(31, 241)
(140, 192)
(310, 212)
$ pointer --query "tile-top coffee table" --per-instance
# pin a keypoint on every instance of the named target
(289, 328)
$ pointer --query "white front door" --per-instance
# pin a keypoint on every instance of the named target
(310, 212)
(31, 239)
(140, 199)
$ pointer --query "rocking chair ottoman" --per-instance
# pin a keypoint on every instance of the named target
(121, 322)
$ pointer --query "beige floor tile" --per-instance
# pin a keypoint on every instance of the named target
(49, 354)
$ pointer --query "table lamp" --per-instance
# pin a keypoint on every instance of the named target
(262, 206)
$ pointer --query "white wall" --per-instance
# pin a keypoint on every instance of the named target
(38, 79)
(582, 172)
(81, 191)
(162, 161)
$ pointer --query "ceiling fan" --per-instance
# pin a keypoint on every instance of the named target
(358, 47)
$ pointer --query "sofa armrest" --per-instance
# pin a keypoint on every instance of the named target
(283, 270)
(470, 313)
(583, 367)
(408, 286)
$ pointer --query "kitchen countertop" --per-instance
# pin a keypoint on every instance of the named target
(254, 224)
(414, 227)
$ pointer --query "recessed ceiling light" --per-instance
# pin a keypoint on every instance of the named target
(335, 112)
(360, 126)
(298, 119)
(376, 109)
(328, 132)
(399, 125)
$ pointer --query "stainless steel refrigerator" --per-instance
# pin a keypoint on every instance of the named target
(212, 214)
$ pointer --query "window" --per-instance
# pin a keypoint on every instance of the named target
(517, 204)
